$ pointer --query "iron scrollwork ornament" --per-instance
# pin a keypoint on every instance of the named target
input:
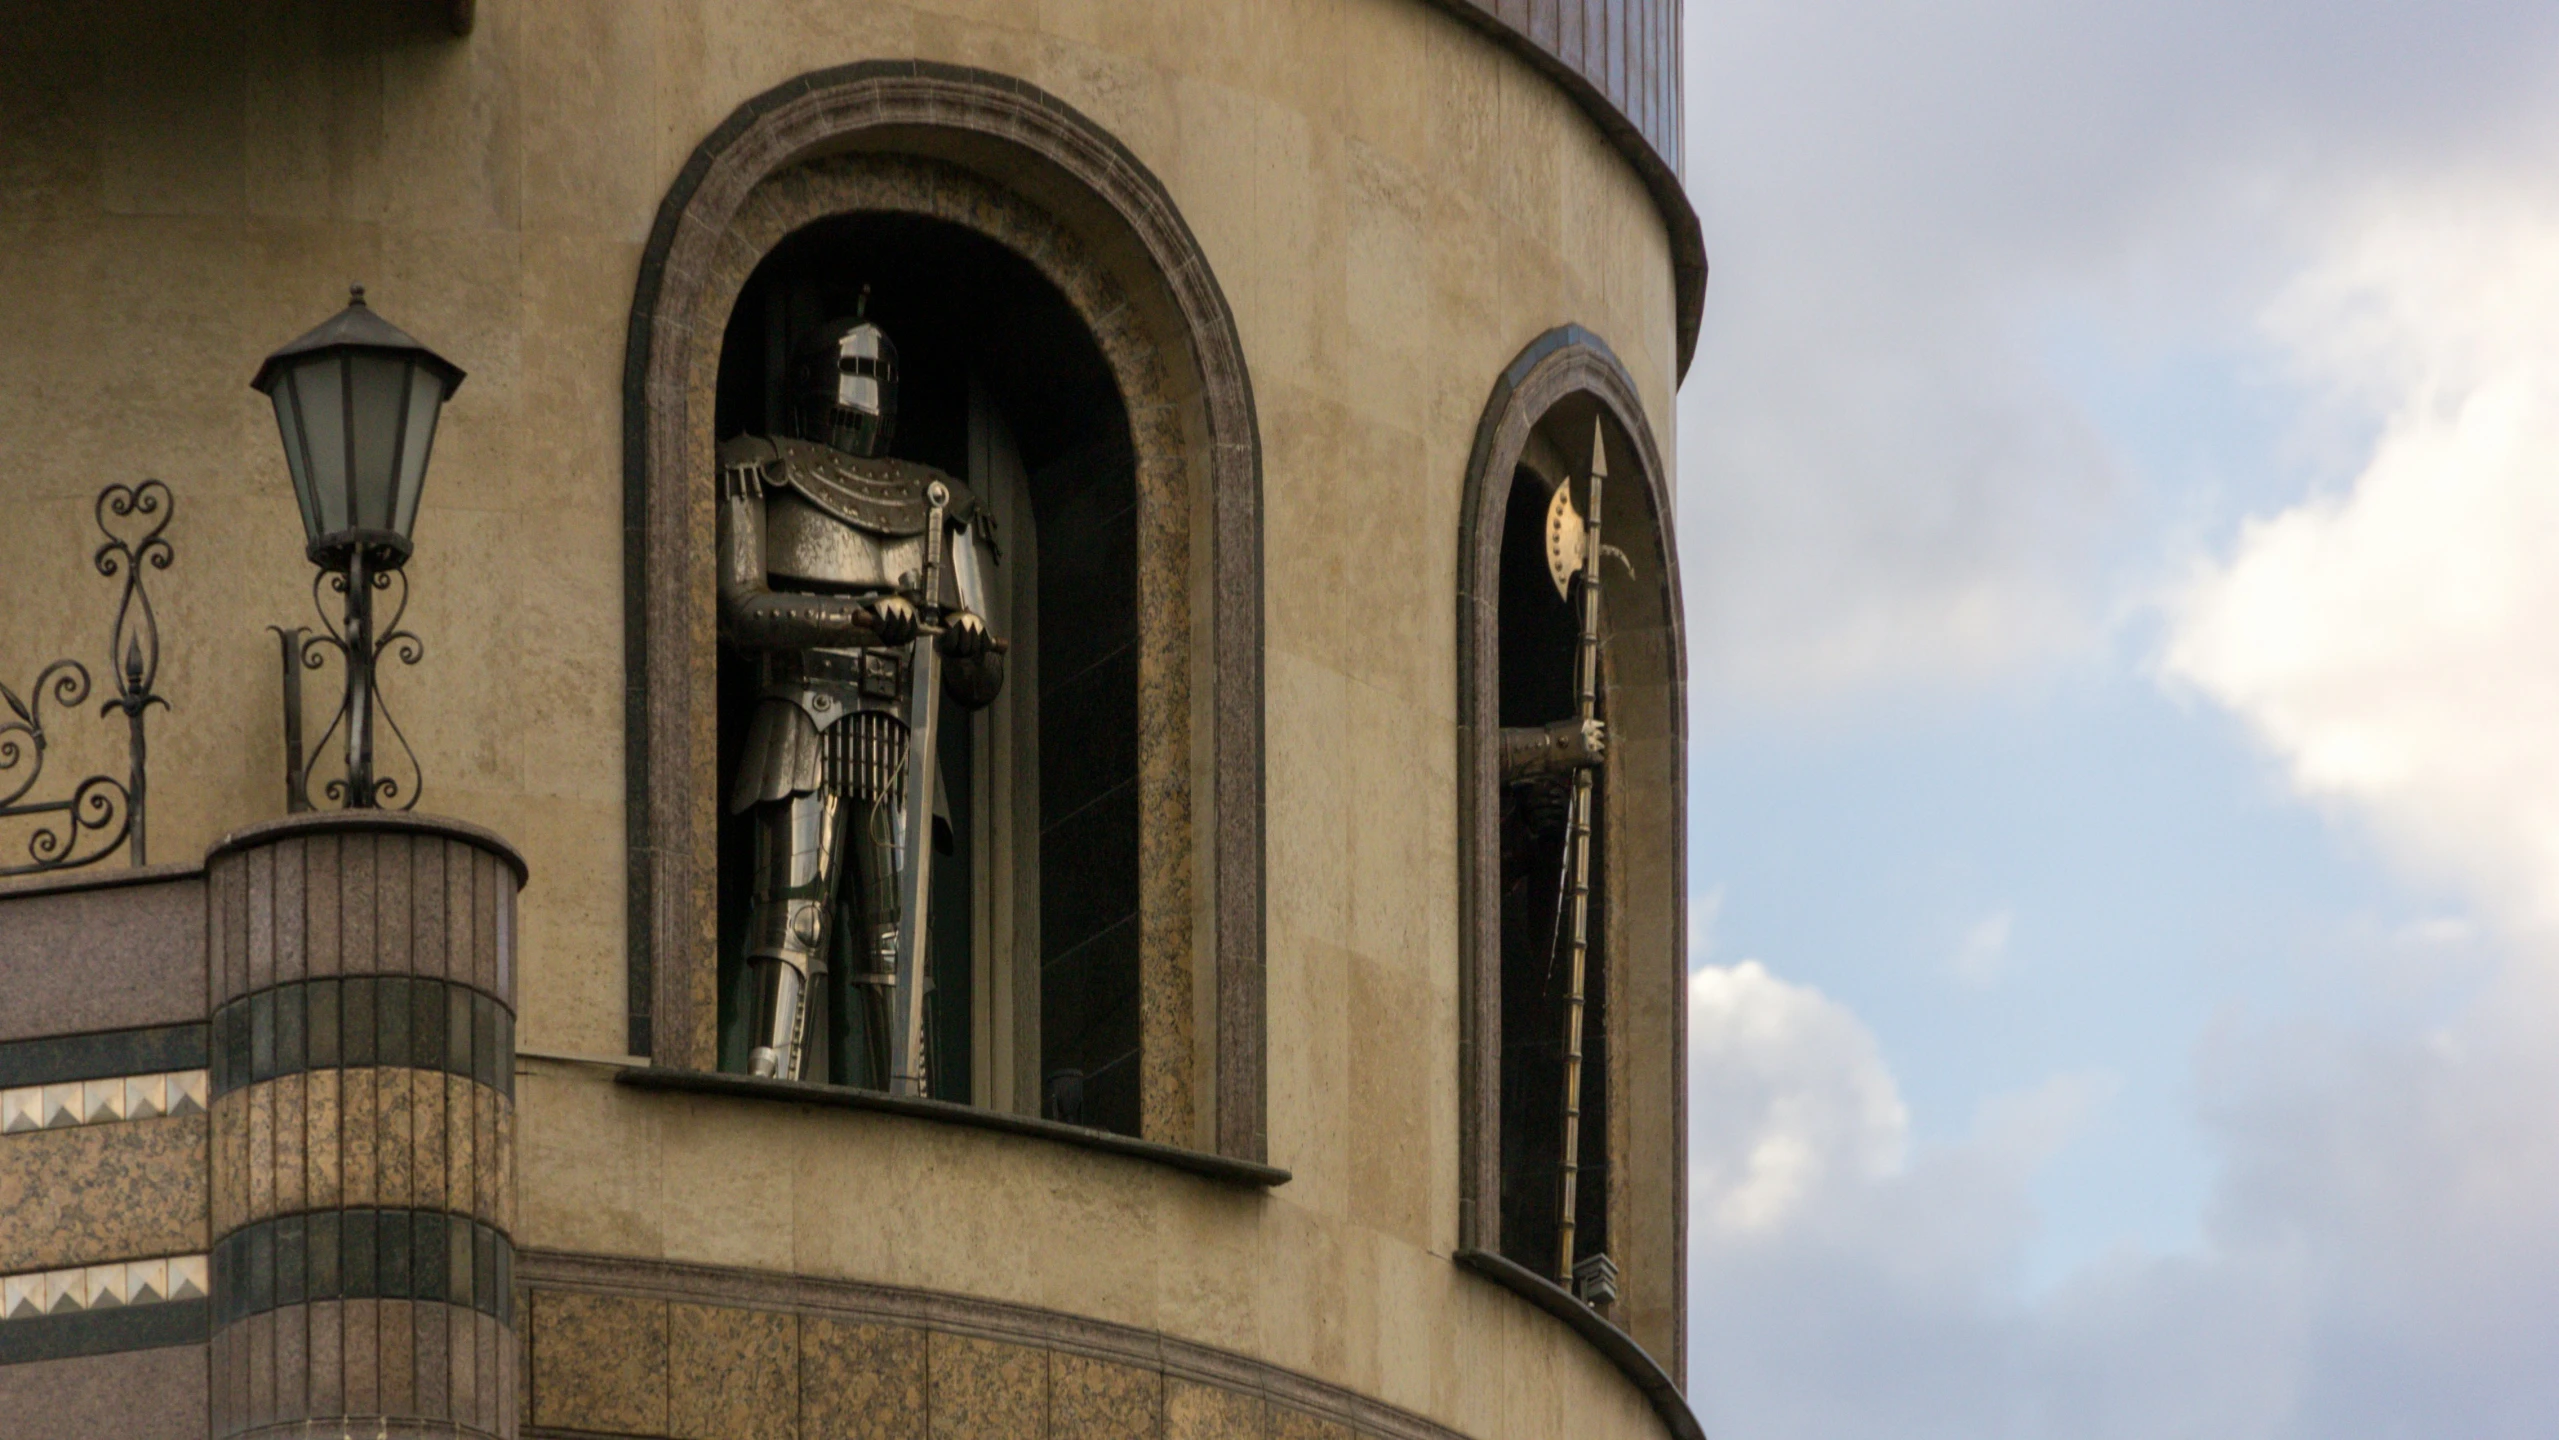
(359, 646)
(102, 814)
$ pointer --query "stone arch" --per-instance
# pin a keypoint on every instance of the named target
(1016, 164)
(1570, 372)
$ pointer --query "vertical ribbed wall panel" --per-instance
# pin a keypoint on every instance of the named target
(363, 1165)
(1627, 50)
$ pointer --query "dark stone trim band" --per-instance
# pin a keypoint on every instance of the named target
(105, 1332)
(1631, 1359)
(746, 1087)
(415, 1021)
(59, 1058)
(364, 1255)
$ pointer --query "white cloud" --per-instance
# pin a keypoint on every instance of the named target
(1981, 956)
(1884, 481)
(2394, 644)
(1793, 1096)
(2377, 1256)
(2377, 1260)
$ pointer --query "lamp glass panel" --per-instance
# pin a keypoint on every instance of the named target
(426, 404)
(381, 388)
(288, 424)
(320, 387)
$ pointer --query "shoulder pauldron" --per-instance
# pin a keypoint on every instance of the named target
(884, 497)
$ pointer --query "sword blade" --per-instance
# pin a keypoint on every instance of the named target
(907, 1072)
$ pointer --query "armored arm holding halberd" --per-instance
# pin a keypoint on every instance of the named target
(1532, 752)
(835, 563)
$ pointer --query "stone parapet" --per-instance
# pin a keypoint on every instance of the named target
(640, 1348)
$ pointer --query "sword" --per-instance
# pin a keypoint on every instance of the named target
(915, 832)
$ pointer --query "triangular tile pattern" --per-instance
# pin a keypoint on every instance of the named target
(102, 1102)
(146, 1281)
(146, 1096)
(76, 1288)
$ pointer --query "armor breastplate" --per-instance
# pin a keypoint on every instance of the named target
(842, 522)
(806, 546)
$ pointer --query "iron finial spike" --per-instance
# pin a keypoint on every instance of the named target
(1599, 449)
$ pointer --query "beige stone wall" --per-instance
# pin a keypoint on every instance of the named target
(1393, 206)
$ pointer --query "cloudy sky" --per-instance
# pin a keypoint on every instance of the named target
(2120, 514)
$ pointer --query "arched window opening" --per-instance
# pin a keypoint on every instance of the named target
(1032, 991)
(1522, 742)
(1540, 631)
(1011, 240)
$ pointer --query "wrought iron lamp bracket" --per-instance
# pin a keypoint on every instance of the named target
(102, 814)
(359, 646)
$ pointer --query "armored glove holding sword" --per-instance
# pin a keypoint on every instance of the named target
(854, 580)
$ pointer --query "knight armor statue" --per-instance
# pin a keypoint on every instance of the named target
(853, 580)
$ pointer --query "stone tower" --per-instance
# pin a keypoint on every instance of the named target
(1263, 334)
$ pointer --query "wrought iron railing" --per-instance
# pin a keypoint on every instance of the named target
(101, 814)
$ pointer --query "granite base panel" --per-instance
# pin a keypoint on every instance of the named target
(135, 1395)
(392, 1367)
(656, 1351)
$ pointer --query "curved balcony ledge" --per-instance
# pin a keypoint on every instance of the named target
(1223, 1168)
(1631, 1359)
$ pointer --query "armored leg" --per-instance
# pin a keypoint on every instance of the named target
(866, 952)
(798, 842)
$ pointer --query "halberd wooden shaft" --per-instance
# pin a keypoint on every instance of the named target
(1577, 839)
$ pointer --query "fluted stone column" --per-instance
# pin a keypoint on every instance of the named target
(363, 1189)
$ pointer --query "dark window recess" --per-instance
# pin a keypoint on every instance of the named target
(1087, 508)
(1539, 634)
(966, 312)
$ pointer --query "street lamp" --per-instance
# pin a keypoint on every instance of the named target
(356, 402)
